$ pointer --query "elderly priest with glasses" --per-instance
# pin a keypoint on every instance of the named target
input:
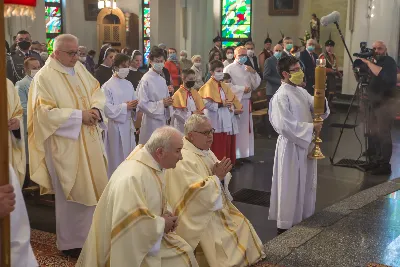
(197, 190)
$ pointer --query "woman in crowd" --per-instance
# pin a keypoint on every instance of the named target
(173, 67)
(120, 109)
(104, 72)
(228, 56)
(196, 60)
(214, 55)
(135, 75)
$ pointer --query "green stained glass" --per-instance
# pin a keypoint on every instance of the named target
(146, 2)
(50, 42)
(52, 11)
(230, 43)
(53, 1)
(146, 22)
(236, 19)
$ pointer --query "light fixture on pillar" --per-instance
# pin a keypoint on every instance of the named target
(111, 4)
(371, 9)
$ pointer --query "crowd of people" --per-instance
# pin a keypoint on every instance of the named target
(139, 159)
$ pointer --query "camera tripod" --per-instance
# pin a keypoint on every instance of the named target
(360, 95)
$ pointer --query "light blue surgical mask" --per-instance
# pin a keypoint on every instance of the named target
(172, 57)
(289, 47)
(310, 48)
(242, 60)
(158, 67)
(278, 55)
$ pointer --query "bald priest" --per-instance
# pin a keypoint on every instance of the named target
(131, 225)
(207, 219)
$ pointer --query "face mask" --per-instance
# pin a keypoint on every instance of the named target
(250, 53)
(82, 59)
(242, 60)
(189, 84)
(297, 77)
(278, 55)
(297, 55)
(172, 57)
(229, 56)
(182, 57)
(310, 48)
(197, 64)
(24, 45)
(123, 72)
(289, 46)
(219, 76)
(158, 67)
(33, 73)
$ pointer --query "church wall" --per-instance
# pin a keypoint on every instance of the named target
(383, 26)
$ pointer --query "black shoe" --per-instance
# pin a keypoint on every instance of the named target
(281, 231)
(73, 253)
(383, 169)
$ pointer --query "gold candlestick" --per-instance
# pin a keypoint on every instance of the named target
(319, 106)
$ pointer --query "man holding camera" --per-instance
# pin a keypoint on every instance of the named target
(381, 96)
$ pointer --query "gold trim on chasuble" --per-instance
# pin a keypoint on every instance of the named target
(83, 138)
(180, 251)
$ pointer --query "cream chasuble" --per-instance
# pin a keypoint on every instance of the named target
(127, 228)
(221, 232)
(16, 147)
(80, 163)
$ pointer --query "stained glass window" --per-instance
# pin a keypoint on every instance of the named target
(53, 19)
(235, 21)
(146, 30)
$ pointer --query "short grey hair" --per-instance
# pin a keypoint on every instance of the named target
(81, 47)
(161, 138)
(183, 52)
(193, 122)
(312, 40)
(63, 38)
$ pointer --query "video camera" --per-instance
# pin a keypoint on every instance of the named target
(361, 70)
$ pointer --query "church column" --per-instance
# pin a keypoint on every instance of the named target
(163, 23)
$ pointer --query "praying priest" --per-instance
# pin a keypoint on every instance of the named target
(67, 156)
(16, 142)
(245, 76)
(186, 100)
(132, 225)
(207, 219)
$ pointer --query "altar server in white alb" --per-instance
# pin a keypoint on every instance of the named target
(154, 99)
(245, 76)
(120, 109)
(294, 181)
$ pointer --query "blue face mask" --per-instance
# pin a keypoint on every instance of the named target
(172, 56)
(242, 60)
(289, 47)
(310, 48)
(278, 55)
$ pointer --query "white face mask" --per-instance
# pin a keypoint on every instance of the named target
(250, 53)
(82, 59)
(197, 64)
(158, 67)
(219, 76)
(229, 56)
(33, 73)
(123, 72)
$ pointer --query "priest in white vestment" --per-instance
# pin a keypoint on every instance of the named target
(154, 98)
(67, 155)
(294, 181)
(207, 219)
(16, 136)
(186, 101)
(244, 76)
(132, 225)
(120, 109)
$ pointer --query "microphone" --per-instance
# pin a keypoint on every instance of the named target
(331, 18)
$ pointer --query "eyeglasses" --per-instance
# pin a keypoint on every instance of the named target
(71, 53)
(206, 133)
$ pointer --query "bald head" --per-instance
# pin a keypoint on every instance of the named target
(311, 42)
(380, 48)
(278, 48)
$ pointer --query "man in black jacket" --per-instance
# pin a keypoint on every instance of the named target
(252, 60)
(309, 59)
(381, 96)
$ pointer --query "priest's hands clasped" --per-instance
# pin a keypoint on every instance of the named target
(7, 200)
(131, 105)
(90, 117)
(13, 124)
(170, 222)
(222, 168)
(167, 101)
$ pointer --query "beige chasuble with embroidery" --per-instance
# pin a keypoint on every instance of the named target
(16, 147)
(80, 164)
(127, 228)
(219, 232)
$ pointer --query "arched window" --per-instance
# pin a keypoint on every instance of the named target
(235, 21)
(53, 18)
(146, 30)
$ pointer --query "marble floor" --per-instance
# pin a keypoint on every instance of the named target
(334, 183)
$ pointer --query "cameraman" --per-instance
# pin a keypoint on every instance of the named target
(381, 96)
